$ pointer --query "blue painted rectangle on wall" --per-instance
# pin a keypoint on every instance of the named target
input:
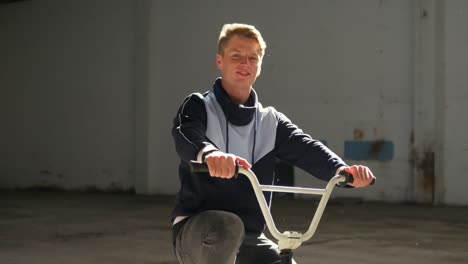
(368, 150)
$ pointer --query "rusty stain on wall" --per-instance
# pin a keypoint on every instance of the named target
(424, 162)
(426, 165)
(358, 133)
(376, 146)
(424, 14)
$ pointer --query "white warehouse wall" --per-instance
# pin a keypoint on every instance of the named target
(66, 95)
(89, 89)
(334, 67)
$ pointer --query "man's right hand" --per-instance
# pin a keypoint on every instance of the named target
(223, 165)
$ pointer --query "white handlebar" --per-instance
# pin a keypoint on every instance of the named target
(288, 239)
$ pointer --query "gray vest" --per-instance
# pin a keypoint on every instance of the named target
(261, 131)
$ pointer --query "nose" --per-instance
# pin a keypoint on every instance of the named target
(244, 60)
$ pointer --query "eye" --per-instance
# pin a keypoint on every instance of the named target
(253, 59)
(236, 56)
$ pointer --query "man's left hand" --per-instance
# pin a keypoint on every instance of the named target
(362, 175)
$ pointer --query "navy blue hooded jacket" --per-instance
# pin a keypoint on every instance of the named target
(260, 135)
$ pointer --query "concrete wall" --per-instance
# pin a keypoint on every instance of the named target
(341, 70)
(454, 108)
(89, 89)
(66, 94)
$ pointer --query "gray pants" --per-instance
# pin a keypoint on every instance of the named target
(218, 237)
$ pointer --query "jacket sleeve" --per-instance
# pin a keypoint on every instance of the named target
(189, 129)
(301, 150)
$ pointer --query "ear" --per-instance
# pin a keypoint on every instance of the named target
(219, 61)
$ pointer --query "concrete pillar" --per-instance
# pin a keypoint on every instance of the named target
(155, 158)
(424, 81)
(145, 74)
(455, 107)
(440, 95)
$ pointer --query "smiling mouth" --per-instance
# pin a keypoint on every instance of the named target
(243, 73)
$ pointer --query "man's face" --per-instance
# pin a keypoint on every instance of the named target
(240, 63)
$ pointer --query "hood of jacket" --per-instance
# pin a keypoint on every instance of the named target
(236, 114)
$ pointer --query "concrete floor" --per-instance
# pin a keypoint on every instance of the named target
(59, 227)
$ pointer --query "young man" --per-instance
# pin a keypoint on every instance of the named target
(216, 218)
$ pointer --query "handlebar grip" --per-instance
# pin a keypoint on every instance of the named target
(203, 167)
(349, 179)
(198, 167)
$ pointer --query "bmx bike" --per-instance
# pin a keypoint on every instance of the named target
(288, 240)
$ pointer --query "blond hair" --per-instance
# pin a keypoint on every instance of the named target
(243, 30)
